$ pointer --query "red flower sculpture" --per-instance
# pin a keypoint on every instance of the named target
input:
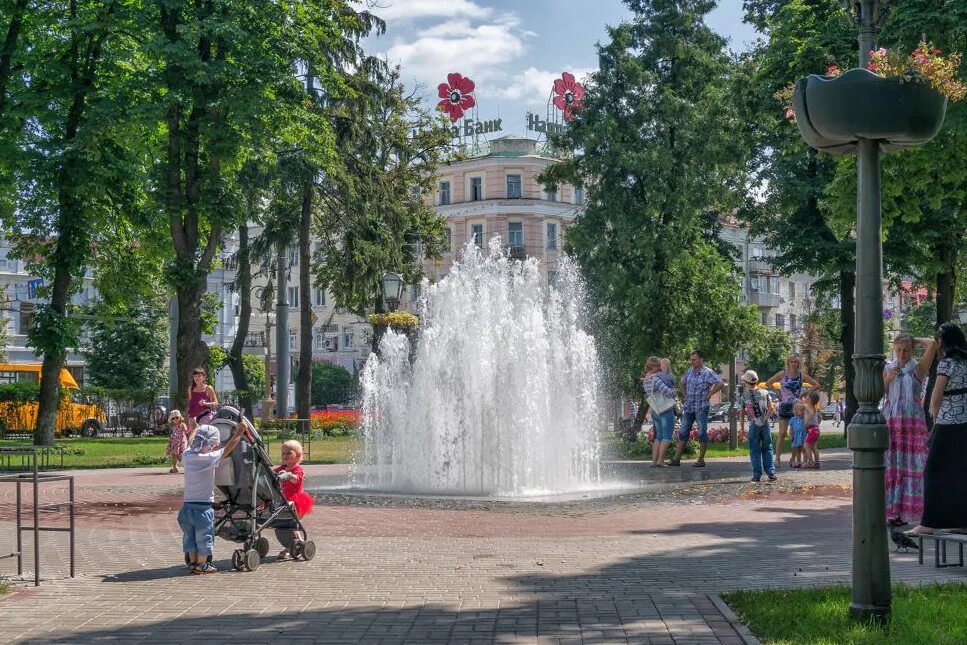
(568, 95)
(457, 95)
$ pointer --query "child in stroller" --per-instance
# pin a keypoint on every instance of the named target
(254, 500)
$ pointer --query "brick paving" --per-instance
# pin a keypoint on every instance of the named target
(642, 571)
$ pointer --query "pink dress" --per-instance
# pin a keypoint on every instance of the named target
(177, 440)
(907, 456)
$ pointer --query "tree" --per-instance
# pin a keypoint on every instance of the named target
(74, 172)
(921, 320)
(129, 352)
(331, 384)
(657, 151)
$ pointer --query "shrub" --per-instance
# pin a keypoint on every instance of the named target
(149, 459)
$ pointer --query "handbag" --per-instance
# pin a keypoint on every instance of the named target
(660, 403)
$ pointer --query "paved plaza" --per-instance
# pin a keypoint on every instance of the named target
(644, 568)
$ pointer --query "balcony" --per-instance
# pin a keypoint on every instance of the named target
(764, 299)
(761, 265)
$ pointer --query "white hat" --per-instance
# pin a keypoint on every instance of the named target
(206, 436)
(174, 414)
(750, 376)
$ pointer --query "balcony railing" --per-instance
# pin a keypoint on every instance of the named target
(764, 299)
(760, 265)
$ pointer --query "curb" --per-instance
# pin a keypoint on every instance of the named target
(747, 636)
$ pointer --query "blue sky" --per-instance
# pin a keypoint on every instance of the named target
(512, 49)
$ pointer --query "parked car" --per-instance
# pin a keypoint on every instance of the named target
(829, 411)
(719, 412)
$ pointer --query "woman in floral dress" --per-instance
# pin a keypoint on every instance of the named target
(903, 386)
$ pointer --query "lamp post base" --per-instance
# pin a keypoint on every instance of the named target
(869, 614)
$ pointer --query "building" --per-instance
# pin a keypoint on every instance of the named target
(498, 194)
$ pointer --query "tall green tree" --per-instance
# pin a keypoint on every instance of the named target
(73, 172)
(129, 352)
(660, 153)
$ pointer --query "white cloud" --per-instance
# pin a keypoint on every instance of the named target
(533, 86)
(401, 10)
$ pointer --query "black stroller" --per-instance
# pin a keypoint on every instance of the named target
(253, 498)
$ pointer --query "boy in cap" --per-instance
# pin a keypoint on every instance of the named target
(197, 517)
(757, 406)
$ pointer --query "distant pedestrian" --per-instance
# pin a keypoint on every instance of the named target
(945, 477)
(794, 384)
(756, 406)
(201, 399)
(177, 439)
(697, 387)
(903, 379)
(661, 400)
(837, 412)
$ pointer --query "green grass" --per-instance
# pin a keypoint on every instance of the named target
(929, 615)
(4, 587)
(128, 452)
(626, 451)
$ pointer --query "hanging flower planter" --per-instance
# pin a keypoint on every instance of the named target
(833, 112)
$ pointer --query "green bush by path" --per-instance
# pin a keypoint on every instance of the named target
(929, 615)
(4, 587)
(128, 452)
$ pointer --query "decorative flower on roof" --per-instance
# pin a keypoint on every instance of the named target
(457, 95)
(568, 94)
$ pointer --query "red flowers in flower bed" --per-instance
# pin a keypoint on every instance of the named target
(457, 95)
(350, 416)
(568, 94)
(718, 434)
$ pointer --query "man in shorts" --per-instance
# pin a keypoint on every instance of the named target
(698, 385)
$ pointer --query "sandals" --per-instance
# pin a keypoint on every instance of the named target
(698, 464)
(673, 462)
(205, 569)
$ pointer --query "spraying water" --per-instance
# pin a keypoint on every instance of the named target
(501, 397)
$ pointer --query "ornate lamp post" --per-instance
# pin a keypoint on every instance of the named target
(392, 284)
(267, 394)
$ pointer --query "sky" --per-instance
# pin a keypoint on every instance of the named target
(512, 49)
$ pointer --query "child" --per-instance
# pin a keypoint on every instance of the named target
(196, 517)
(798, 426)
(201, 399)
(177, 439)
(811, 419)
(291, 477)
(757, 407)
(666, 372)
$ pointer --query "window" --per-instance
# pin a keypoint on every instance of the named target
(319, 297)
(756, 253)
(793, 322)
(755, 282)
(764, 319)
(513, 187)
(444, 193)
(774, 286)
(792, 290)
(293, 255)
(26, 321)
(320, 343)
(292, 346)
(780, 321)
(515, 234)
(347, 339)
(476, 189)
(476, 233)
(579, 194)
(551, 194)
(551, 235)
(293, 297)
(449, 243)
(415, 193)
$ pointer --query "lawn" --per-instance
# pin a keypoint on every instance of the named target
(715, 449)
(127, 452)
(929, 615)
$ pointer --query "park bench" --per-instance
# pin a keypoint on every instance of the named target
(940, 540)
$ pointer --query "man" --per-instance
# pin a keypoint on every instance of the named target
(697, 387)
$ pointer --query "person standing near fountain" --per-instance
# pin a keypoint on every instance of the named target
(697, 386)
(660, 396)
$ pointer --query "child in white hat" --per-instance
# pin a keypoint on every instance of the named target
(757, 407)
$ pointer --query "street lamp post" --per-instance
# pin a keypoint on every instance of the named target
(391, 285)
(267, 402)
(282, 336)
(868, 436)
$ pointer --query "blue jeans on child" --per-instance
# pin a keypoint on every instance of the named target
(760, 450)
(664, 424)
(197, 522)
(700, 419)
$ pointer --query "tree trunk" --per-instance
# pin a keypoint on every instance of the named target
(244, 284)
(53, 359)
(6, 53)
(946, 284)
(192, 351)
(303, 386)
(847, 316)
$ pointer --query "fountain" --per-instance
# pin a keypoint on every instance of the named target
(501, 397)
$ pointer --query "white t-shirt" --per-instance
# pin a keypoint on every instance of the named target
(200, 474)
(755, 403)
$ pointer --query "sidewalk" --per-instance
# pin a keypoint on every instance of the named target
(648, 570)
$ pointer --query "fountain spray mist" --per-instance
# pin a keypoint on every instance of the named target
(502, 396)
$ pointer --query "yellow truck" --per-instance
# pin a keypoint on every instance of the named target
(73, 416)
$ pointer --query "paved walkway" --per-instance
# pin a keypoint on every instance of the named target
(647, 569)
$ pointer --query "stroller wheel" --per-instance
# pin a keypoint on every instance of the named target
(298, 549)
(252, 560)
(238, 560)
(262, 546)
(308, 550)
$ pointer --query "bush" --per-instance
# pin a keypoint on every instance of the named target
(149, 459)
(331, 384)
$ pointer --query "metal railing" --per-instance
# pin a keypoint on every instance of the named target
(36, 478)
(300, 429)
(41, 454)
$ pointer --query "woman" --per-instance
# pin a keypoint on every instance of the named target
(794, 385)
(945, 477)
(660, 395)
(903, 384)
(201, 399)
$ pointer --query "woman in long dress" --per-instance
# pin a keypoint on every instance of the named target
(945, 476)
(903, 385)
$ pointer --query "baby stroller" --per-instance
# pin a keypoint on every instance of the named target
(253, 498)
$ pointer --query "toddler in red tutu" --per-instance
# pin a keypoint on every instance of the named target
(290, 477)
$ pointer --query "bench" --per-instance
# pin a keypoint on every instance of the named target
(940, 540)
